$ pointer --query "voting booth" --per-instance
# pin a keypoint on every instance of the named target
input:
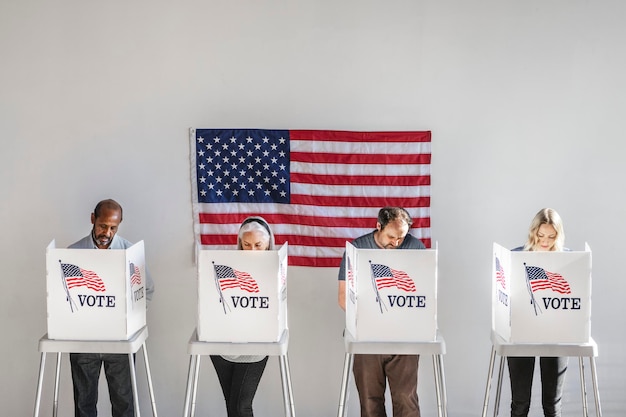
(391, 295)
(541, 297)
(95, 294)
(242, 295)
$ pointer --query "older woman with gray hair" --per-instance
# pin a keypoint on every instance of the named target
(239, 376)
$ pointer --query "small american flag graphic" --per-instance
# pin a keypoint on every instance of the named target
(231, 278)
(135, 275)
(349, 272)
(540, 279)
(387, 277)
(75, 276)
(500, 277)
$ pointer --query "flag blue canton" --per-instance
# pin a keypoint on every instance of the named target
(242, 166)
(224, 271)
(381, 271)
(535, 272)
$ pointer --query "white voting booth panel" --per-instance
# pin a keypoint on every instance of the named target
(391, 295)
(242, 295)
(95, 294)
(541, 297)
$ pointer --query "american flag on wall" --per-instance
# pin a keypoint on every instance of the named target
(316, 188)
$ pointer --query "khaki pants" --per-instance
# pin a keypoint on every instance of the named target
(371, 373)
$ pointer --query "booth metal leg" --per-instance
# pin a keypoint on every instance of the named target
(596, 392)
(57, 376)
(133, 379)
(42, 366)
(496, 405)
(583, 386)
(347, 365)
(442, 379)
(437, 386)
(149, 376)
(440, 387)
(285, 377)
(194, 390)
(190, 377)
(492, 360)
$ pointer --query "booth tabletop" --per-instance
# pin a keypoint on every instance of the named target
(278, 348)
(504, 348)
(434, 347)
(131, 345)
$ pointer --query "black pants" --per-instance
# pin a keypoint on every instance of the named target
(521, 371)
(239, 382)
(86, 375)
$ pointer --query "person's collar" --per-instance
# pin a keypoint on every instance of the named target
(374, 236)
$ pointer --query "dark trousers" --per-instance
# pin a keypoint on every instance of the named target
(371, 373)
(521, 371)
(85, 375)
(239, 382)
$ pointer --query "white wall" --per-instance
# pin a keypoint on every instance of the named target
(524, 99)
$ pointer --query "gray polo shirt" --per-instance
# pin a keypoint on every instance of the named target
(367, 242)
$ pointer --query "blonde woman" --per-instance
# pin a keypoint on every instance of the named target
(545, 234)
(239, 376)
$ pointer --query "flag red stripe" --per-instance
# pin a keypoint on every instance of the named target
(294, 240)
(296, 219)
(218, 239)
(351, 136)
(299, 240)
(249, 288)
(73, 282)
(374, 159)
(399, 274)
(310, 261)
(228, 283)
(359, 179)
(540, 285)
(384, 283)
(340, 201)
